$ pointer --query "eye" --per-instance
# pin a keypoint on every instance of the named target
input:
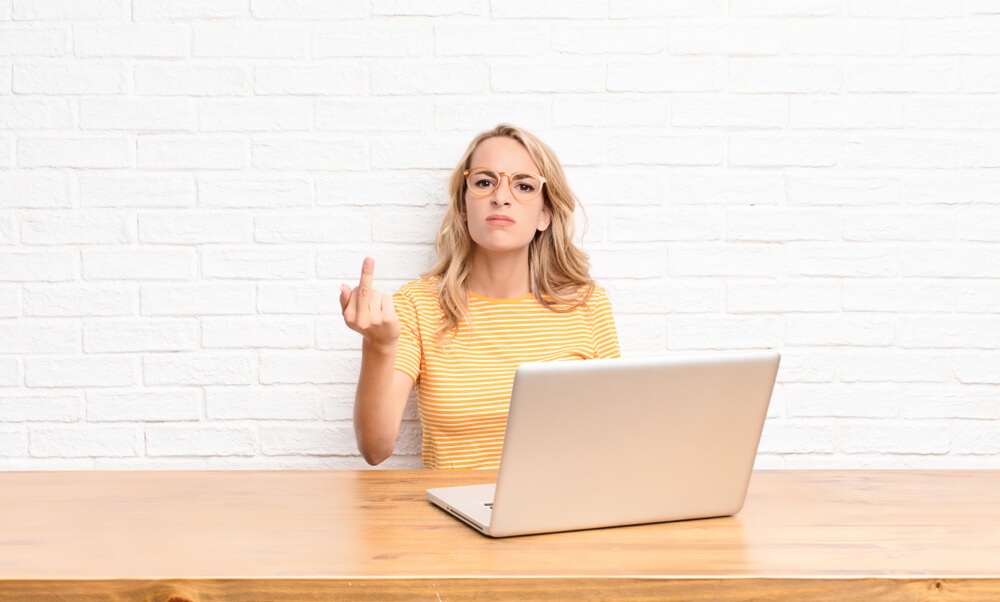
(525, 187)
(483, 183)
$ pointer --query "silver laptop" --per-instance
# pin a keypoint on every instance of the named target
(612, 442)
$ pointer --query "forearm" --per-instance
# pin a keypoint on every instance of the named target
(376, 414)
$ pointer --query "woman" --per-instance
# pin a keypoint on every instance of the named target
(510, 287)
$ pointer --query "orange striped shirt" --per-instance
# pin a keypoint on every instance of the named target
(463, 385)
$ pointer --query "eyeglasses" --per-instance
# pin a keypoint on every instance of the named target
(482, 182)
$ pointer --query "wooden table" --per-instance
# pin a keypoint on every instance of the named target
(158, 536)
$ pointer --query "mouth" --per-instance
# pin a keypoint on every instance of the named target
(499, 220)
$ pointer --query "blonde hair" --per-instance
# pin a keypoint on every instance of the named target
(559, 271)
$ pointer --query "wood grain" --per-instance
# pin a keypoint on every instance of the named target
(297, 535)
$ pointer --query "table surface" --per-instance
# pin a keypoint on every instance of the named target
(351, 526)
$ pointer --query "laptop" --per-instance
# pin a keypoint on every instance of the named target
(614, 442)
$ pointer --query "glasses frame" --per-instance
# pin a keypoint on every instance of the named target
(510, 182)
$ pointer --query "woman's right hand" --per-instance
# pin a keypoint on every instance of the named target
(368, 311)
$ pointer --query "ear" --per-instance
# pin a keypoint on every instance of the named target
(544, 220)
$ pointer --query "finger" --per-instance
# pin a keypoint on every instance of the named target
(345, 296)
(364, 290)
(388, 309)
(375, 306)
(367, 272)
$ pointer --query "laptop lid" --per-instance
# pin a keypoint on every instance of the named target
(611, 442)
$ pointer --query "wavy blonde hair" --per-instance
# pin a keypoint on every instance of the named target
(559, 271)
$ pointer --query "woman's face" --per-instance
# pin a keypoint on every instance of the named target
(498, 222)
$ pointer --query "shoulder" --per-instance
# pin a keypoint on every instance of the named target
(425, 288)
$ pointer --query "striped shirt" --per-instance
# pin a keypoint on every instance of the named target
(464, 383)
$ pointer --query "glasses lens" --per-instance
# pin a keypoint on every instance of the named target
(525, 186)
(482, 182)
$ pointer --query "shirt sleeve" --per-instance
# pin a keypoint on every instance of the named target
(409, 348)
(605, 333)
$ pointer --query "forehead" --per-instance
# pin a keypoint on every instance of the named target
(502, 154)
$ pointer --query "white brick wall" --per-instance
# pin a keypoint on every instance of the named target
(185, 184)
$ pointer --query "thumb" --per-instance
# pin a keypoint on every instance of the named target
(345, 296)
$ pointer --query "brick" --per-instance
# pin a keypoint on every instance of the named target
(768, 224)
(200, 299)
(892, 365)
(978, 296)
(785, 8)
(403, 225)
(952, 262)
(414, 77)
(196, 369)
(950, 401)
(15, 41)
(840, 330)
(35, 336)
(191, 78)
(687, 224)
(843, 401)
(980, 367)
(308, 9)
(147, 10)
(578, 110)
(70, 77)
(79, 300)
(703, 149)
(257, 332)
(725, 186)
(952, 114)
(898, 295)
(846, 189)
(35, 114)
(977, 7)
(146, 264)
(839, 112)
(665, 75)
(338, 402)
(980, 74)
(308, 367)
(777, 150)
(925, 75)
(476, 38)
(393, 262)
(723, 332)
(258, 115)
(782, 296)
(241, 39)
(39, 266)
(76, 227)
(410, 188)
(855, 260)
(137, 335)
(7, 228)
(264, 403)
(673, 296)
(910, 438)
(378, 39)
(602, 39)
(951, 331)
(137, 114)
(258, 262)
(192, 152)
(472, 114)
(195, 229)
(602, 186)
(254, 192)
(200, 441)
(634, 261)
(6, 78)
(555, 9)
(641, 335)
(138, 41)
(326, 227)
(85, 442)
(82, 371)
(309, 154)
(980, 152)
(333, 335)
(102, 10)
(726, 36)
(979, 225)
(742, 259)
(76, 152)
(298, 440)
(144, 405)
(13, 442)
(416, 151)
(429, 8)
(10, 372)
(138, 190)
(911, 8)
(375, 114)
(952, 36)
(784, 75)
(899, 224)
(627, 9)
(574, 148)
(10, 302)
(756, 111)
(299, 298)
(784, 436)
(333, 80)
(845, 36)
(975, 437)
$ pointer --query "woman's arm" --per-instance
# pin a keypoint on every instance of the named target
(382, 391)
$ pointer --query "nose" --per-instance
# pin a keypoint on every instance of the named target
(501, 194)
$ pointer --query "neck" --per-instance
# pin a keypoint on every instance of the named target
(500, 275)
